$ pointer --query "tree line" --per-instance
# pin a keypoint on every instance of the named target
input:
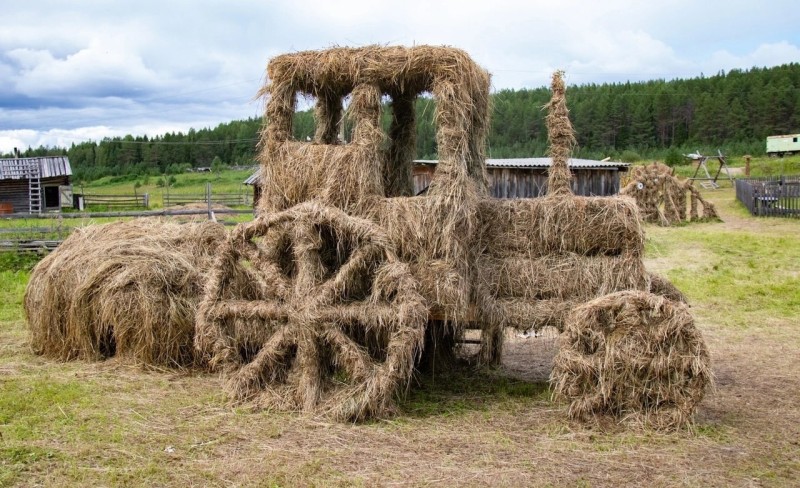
(733, 111)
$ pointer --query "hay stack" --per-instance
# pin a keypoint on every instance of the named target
(127, 289)
(661, 196)
(634, 356)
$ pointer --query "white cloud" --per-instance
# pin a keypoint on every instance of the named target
(112, 69)
(764, 55)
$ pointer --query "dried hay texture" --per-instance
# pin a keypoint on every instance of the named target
(370, 177)
(348, 175)
(634, 356)
(661, 196)
(127, 289)
(561, 136)
(539, 258)
(332, 323)
(659, 285)
(334, 202)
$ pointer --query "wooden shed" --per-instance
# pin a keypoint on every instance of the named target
(527, 177)
(34, 185)
(517, 178)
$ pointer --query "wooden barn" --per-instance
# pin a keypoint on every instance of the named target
(34, 185)
(527, 177)
(518, 178)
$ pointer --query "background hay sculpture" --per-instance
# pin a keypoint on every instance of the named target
(127, 289)
(633, 356)
(661, 196)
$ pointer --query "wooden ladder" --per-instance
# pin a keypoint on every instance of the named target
(35, 190)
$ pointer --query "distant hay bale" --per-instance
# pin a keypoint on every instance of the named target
(127, 289)
(634, 356)
(661, 196)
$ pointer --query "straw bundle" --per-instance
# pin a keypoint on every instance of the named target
(561, 136)
(127, 289)
(634, 356)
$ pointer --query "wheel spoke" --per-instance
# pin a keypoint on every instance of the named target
(248, 310)
(307, 368)
(357, 266)
(263, 368)
(306, 254)
(349, 355)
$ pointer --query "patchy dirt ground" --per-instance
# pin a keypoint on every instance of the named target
(108, 424)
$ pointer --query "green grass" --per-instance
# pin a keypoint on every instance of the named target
(739, 276)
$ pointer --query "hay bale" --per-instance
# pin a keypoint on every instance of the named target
(127, 289)
(634, 356)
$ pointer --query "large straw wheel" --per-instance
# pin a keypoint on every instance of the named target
(309, 309)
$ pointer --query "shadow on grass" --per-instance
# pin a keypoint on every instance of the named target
(463, 389)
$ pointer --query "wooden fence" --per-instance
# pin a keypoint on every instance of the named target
(208, 197)
(47, 238)
(115, 201)
(777, 196)
(228, 199)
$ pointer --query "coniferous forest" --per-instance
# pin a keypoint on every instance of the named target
(733, 112)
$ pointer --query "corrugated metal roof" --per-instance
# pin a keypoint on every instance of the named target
(543, 163)
(24, 168)
(253, 178)
(511, 163)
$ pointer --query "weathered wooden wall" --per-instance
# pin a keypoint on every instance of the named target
(15, 191)
(532, 182)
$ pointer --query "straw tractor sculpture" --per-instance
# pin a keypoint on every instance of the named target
(346, 282)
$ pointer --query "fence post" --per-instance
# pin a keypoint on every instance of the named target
(208, 201)
(146, 200)
(747, 165)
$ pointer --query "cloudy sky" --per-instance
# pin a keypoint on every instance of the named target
(83, 70)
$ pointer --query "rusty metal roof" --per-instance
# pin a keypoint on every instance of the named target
(24, 168)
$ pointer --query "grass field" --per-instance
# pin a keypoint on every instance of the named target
(111, 424)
